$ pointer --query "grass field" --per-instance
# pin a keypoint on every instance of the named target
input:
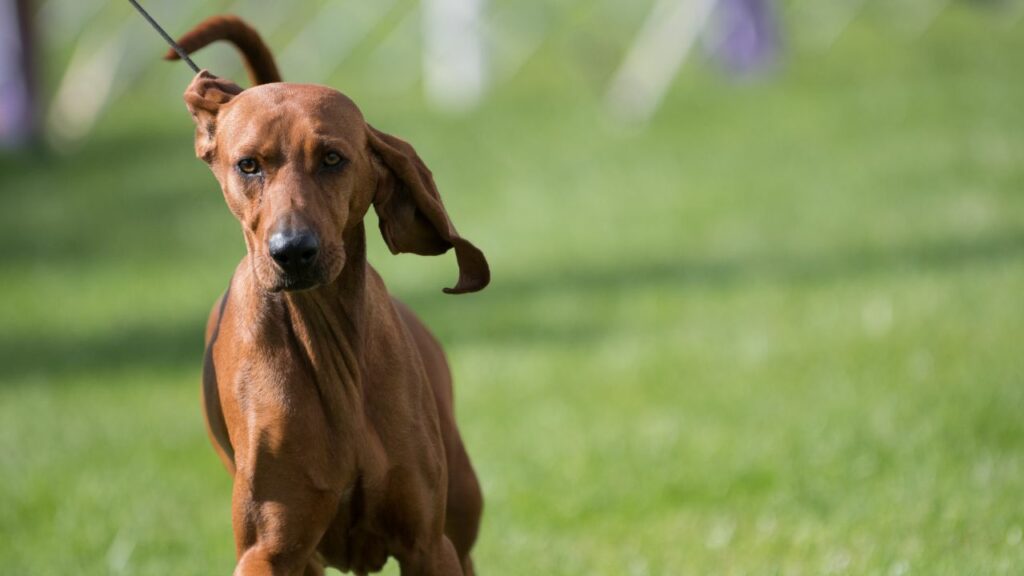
(779, 332)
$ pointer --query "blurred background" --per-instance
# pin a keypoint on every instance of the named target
(758, 277)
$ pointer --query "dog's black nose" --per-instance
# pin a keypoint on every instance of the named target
(294, 251)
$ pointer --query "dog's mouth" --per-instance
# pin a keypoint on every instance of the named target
(288, 283)
(276, 279)
(293, 282)
(317, 276)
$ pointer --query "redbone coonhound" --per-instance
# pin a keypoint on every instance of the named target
(328, 401)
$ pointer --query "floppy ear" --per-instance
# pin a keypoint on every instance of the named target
(204, 97)
(412, 216)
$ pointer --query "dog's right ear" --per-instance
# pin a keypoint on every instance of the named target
(204, 97)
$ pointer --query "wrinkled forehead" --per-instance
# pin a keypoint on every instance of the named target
(292, 114)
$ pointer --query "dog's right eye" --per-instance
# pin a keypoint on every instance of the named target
(248, 166)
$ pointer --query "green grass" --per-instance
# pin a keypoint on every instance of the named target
(779, 332)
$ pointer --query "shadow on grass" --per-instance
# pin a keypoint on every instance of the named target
(38, 359)
(503, 314)
(111, 199)
(180, 346)
(787, 269)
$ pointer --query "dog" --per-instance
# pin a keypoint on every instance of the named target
(327, 400)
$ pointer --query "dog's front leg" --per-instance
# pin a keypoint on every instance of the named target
(438, 559)
(280, 513)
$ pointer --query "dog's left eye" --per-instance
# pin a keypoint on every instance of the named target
(248, 166)
(333, 160)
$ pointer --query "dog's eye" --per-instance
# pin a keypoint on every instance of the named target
(248, 166)
(333, 160)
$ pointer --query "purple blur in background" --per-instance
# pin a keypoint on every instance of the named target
(18, 124)
(748, 35)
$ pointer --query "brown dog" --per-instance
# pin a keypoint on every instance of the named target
(327, 400)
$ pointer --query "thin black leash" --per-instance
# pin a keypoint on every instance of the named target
(181, 51)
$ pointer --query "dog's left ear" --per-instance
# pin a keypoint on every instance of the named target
(204, 97)
(413, 218)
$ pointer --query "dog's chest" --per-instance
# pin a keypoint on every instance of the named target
(350, 544)
(360, 552)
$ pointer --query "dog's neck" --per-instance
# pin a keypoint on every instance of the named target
(327, 321)
(323, 325)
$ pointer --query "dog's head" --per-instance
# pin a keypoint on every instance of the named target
(300, 167)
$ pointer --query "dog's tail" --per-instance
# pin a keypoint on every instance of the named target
(259, 62)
